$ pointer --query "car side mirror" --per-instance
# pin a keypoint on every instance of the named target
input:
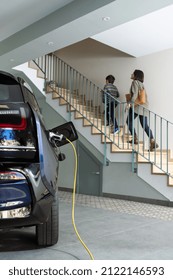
(59, 135)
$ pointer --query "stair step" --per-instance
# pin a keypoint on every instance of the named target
(55, 95)
(93, 121)
(32, 65)
(86, 123)
(78, 115)
(40, 74)
(170, 181)
(155, 156)
(164, 167)
(123, 148)
(49, 89)
(95, 130)
(62, 101)
(111, 137)
(71, 109)
(78, 106)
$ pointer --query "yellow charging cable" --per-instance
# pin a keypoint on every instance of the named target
(73, 202)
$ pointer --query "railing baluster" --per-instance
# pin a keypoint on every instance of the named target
(59, 73)
(167, 147)
(105, 138)
(90, 99)
(118, 121)
(149, 134)
(155, 131)
(133, 151)
(122, 107)
(143, 132)
(161, 142)
(83, 96)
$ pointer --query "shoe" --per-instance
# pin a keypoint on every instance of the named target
(109, 124)
(116, 131)
(153, 145)
(135, 141)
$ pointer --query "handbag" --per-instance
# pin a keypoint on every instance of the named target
(141, 99)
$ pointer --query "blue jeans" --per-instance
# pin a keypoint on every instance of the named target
(110, 114)
(143, 122)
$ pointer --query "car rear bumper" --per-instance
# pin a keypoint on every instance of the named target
(39, 214)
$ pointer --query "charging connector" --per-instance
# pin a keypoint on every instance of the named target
(54, 136)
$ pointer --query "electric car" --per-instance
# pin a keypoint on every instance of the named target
(29, 161)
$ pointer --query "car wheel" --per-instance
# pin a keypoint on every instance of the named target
(47, 233)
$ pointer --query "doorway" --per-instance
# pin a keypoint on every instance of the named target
(90, 172)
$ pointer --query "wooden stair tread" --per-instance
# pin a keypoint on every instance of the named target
(156, 169)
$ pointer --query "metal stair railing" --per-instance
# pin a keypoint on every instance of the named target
(162, 130)
(80, 93)
(85, 98)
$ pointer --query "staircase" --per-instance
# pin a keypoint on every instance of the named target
(78, 99)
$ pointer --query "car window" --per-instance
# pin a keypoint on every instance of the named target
(10, 90)
(30, 98)
(4, 93)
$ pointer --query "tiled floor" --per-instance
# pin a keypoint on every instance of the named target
(121, 206)
(112, 230)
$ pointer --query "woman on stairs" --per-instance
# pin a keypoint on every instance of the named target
(136, 86)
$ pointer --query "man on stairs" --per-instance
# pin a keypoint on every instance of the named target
(109, 95)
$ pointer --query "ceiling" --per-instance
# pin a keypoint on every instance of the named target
(142, 36)
(18, 14)
(31, 28)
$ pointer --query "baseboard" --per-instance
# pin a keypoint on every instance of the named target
(140, 199)
(65, 189)
(129, 198)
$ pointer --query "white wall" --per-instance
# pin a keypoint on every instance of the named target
(120, 180)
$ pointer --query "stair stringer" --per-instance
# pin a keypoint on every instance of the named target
(157, 181)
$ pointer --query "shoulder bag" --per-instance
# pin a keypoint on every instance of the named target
(141, 99)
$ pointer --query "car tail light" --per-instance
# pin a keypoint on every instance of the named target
(13, 119)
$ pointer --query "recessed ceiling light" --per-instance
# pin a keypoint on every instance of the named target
(106, 18)
(11, 59)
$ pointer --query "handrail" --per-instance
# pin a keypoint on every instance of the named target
(85, 98)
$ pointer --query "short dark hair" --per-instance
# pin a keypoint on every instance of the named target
(139, 75)
(110, 79)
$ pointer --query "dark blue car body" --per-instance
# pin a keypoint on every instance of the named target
(28, 163)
